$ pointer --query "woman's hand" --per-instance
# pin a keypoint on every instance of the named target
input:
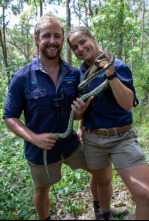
(104, 62)
(79, 107)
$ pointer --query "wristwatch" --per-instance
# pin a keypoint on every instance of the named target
(112, 76)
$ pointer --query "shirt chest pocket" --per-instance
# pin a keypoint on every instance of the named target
(70, 93)
(39, 99)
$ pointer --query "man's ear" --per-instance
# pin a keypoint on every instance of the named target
(94, 37)
(36, 39)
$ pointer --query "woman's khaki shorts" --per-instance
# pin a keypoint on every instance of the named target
(39, 175)
(124, 151)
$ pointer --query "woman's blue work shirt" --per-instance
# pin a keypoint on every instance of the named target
(46, 107)
(104, 111)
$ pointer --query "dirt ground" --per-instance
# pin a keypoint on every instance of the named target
(88, 213)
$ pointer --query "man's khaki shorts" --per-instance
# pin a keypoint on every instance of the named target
(39, 174)
(124, 151)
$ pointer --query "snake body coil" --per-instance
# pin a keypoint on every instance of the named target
(95, 92)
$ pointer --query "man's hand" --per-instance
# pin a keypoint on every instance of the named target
(79, 135)
(79, 107)
(45, 141)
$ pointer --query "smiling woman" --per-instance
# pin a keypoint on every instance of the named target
(81, 45)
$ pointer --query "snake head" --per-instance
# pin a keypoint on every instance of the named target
(101, 56)
(102, 64)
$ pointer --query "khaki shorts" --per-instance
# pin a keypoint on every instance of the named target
(124, 151)
(39, 174)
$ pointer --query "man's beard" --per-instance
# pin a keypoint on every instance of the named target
(48, 55)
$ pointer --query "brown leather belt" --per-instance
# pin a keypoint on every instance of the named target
(111, 131)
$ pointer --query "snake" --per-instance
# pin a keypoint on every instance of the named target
(91, 75)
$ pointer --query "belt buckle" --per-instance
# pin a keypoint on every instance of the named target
(105, 130)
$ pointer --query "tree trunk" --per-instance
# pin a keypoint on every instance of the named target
(79, 12)
(41, 8)
(68, 26)
(121, 21)
(90, 8)
(142, 32)
(28, 45)
(3, 44)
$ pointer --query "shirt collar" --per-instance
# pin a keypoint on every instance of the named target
(62, 71)
(42, 68)
(39, 66)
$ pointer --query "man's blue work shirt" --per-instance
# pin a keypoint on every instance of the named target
(104, 111)
(31, 90)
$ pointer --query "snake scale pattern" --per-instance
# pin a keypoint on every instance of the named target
(94, 92)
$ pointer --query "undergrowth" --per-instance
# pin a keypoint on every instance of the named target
(16, 187)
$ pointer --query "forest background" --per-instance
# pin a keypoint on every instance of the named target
(121, 27)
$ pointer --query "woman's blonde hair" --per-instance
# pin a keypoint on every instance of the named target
(44, 22)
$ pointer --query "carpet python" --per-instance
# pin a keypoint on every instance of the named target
(91, 74)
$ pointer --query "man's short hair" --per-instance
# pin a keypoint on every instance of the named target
(46, 21)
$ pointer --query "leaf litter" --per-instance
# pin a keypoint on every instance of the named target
(121, 197)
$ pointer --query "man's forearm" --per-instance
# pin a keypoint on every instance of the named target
(18, 128)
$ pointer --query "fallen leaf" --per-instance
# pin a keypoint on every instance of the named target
(1, 213)
(59, 212)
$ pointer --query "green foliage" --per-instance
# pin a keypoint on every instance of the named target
(106, 26)
(142, 82)
(71, 185)
(120, 218)
(16, 184)
(16, 188)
